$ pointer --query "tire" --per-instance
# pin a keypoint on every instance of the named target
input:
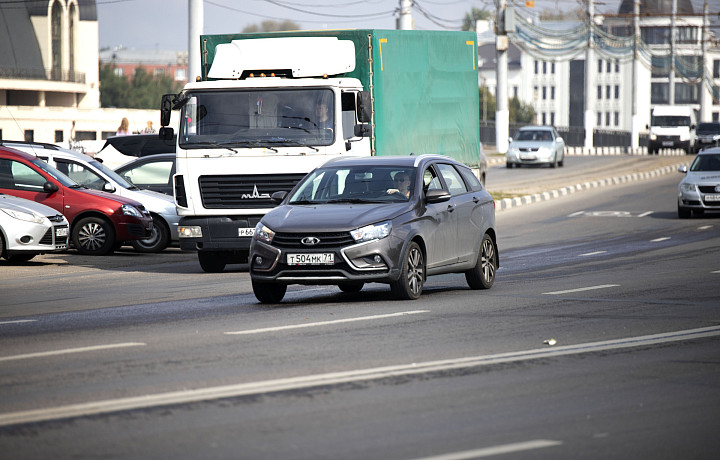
(211, 261)
(412, 275)
(93, 236)
(15, 258)
(2, 246)
(159, 238)
(561, 163)
(554, 163)
(508, 165)
(351, 286)
(683, 213)
(482, 275)
(268, 292)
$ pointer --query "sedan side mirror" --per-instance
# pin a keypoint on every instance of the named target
(108, 187)
(49, 187)
(559, 139)
(437, 196)
(683, 169)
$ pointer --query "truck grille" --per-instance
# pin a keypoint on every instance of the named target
(244, 191)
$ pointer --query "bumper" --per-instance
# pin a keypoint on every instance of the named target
(134, 229)
(373, 261)
(37, 239)
(218, 233)
(699, 201)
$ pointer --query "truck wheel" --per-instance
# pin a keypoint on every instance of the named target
(268, 292)
(211, 261)
(158, 240)
(482, 275)
(412, 275)
(93, 236)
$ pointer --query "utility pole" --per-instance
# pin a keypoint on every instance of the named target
(635, 121)
(704, 37)
(405, 21)
(502, 114)
(195, 27)
(671, 93)
(589, 62)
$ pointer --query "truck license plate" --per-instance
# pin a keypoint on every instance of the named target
(61, 232)
(246, 231)
(667, 143)
(311, 259)
(715, 197)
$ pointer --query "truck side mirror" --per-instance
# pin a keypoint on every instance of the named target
(364, 130)
(364, 107)
(166, 133)
(166, 109)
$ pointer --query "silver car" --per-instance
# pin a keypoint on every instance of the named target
(536, 145)
(28, 229)
(94, 175)
(699, 191)
(391, 219)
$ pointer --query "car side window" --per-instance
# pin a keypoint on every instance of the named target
(471, 179)
(155, 173)
(19, 176)
(80, 174)
(454, 182)
(431, 181)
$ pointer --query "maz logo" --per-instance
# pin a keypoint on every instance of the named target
(255, 195)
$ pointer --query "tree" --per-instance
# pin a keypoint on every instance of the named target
(475, 14)
(520, 112)
(271, 26)
(142, 92)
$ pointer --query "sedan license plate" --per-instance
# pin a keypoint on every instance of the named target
(715, 197)
(525, 156)
(246, 231)
(325, 258)
(61, 231)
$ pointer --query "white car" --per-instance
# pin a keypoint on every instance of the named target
(28, 228)
(699, 191)
(94, 175)
(534, 145)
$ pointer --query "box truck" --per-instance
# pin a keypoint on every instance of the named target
(672, 127)
(270, 107)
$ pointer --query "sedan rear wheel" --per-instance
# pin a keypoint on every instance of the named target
(93, 236)
(482, 275)
(412, 276)
(268, 292)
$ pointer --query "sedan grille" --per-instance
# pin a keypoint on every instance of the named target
(322, 240)
(708, 188)
(47, 238)
(244, 191)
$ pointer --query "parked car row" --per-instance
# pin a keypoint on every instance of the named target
(28, 229)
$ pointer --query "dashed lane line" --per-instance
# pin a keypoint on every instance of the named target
(589, 288)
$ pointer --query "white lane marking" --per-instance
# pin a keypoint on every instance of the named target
(496, 450)
(592, 253)
(657, 240)
(705, 227)
(310, 381)
(589, 288)
(19, 321)
(576, 214)
(645, 214)
(71, 350)
(716, 271)
(325, 323)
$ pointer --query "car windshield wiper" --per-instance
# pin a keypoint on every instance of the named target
(290, 143)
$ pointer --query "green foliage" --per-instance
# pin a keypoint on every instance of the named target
(271, 26)
(143, 91)
(474, 15)
(520, 112)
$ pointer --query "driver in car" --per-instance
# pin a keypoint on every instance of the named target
(402, 184)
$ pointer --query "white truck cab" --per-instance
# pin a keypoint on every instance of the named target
(672, 127)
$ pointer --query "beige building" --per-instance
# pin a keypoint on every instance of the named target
(49, 76)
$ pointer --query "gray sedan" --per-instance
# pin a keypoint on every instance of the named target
(393, 220)
(536, 145)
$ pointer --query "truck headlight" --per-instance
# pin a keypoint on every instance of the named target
(263, 233)
(190, 231)
(372, 232)
(653, 136)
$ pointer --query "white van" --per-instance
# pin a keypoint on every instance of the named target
(672, 127)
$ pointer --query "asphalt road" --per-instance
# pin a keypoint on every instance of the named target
(141, 356)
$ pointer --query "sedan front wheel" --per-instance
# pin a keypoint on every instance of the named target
(412, 276)
(93, 236)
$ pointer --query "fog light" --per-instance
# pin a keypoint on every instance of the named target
(377, 259)
(258, 260)
(26, 239)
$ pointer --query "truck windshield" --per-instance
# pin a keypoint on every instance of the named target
(237, 118)
(670, 120)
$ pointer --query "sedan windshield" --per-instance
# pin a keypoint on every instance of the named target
(359, 184)
(244, 118)
(706, 163)
(537, 135)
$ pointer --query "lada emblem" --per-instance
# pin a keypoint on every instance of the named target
(310, 241)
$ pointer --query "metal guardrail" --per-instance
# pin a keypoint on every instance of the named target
(574, 136)
(42, 74)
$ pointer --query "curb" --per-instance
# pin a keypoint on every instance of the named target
(508, 203)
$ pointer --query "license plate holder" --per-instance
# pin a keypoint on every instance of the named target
(667, 143)
(61, 232)
(246, 231)
(312, 258)
(714, 197)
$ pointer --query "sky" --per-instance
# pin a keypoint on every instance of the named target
(163, 24)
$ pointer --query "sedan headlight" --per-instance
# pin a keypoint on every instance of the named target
(130, 210)
(687, 187)
(372, 232)
(263, 233)
(22, 215)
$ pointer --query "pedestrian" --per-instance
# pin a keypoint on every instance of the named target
(149, 128)
(124, 128)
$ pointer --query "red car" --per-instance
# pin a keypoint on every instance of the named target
(99, 221)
